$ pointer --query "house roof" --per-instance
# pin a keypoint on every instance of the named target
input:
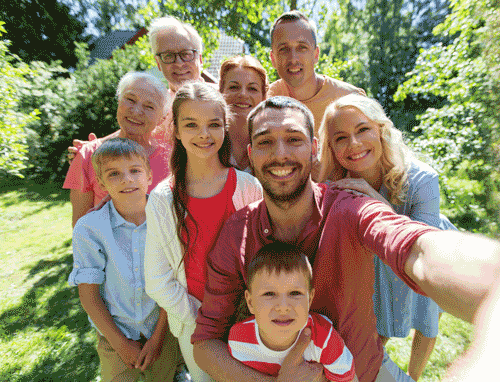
(104, 46)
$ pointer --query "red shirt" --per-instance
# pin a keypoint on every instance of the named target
(209, 215)
(343, 233)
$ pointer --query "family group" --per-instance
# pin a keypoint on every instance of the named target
(261, 232)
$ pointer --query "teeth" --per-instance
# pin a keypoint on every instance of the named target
(134, 120)
(295, 70)
(281, 172)
(242, 105)
(358, 156)
(204, 145)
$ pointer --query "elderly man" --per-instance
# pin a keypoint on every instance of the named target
(178, 50)
(339, 232)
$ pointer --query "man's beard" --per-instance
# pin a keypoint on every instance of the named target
(285, 200)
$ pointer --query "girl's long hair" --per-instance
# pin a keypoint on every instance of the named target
(194, 91)
(396, 156)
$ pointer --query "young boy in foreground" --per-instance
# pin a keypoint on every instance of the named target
(108, 252)
(279, 295)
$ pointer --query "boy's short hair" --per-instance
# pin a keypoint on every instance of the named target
(279, 257)
(115, 148)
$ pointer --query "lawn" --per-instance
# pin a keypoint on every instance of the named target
(44, 332)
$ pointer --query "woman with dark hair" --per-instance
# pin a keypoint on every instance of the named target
(243, 83)
(185, 212)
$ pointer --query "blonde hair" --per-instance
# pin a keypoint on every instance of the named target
(116, 148)
(396, 156)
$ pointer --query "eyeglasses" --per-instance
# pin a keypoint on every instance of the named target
(187, 55)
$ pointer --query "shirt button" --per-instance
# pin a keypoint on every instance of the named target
(138, 289)
(394, 320)
(396, 299)
(135, 230)
(77, 266)
(395, 279)
(136, 269)
(135, 249)
(140, 304)
(266, 231)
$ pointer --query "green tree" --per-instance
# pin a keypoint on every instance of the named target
(459, 135)
(41, 30)
(13, 147)
(380, 40)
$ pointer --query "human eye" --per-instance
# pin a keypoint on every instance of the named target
(339, 138)
(253, 89)
(284, 49)
(215, 125)
(296, 293)
(186, 55)
(112, 174)
(295, 140)
(264, 142)
(302, 48)
(268, 294)
(168, 57)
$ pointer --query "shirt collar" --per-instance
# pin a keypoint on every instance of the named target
(317, 215)
(117, 220)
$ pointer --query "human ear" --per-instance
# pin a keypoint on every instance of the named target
(311, 296)
(101, 183)
(271, 56)
(248, 298)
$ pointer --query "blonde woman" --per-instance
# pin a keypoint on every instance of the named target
(363, 151)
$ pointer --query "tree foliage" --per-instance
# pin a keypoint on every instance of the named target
(41, 30)
(380, 40)
(13, 146)
(460, 135)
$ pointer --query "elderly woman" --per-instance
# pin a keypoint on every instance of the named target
(143, 102)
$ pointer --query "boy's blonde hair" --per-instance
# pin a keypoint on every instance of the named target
(279, 257)
(396, 156)
(115, 148)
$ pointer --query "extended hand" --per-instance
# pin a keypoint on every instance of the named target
(359, 185)
(77, 144)
(295, 368)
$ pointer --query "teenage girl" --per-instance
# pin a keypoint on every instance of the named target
(363, 151)
(186, 212)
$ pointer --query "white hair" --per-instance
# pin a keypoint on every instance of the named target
(169, 23)
(151, 80)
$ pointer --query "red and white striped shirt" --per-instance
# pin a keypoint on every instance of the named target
(326, 347)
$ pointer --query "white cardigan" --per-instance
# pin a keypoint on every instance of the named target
(165, 276)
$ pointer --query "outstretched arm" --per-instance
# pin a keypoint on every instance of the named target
(457, 270)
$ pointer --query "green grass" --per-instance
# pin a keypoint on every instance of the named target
(44, 332)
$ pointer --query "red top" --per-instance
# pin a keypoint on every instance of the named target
(209, 215)
(340, 239)
(326, 347)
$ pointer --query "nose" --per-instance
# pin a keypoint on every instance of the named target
(282, 304)
(127, 177)
(281, 150)
(178, 59)
(137, 108)
(354, 141)
(203, 132)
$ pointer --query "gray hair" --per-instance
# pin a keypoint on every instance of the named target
(169, 23)
(156, 84)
